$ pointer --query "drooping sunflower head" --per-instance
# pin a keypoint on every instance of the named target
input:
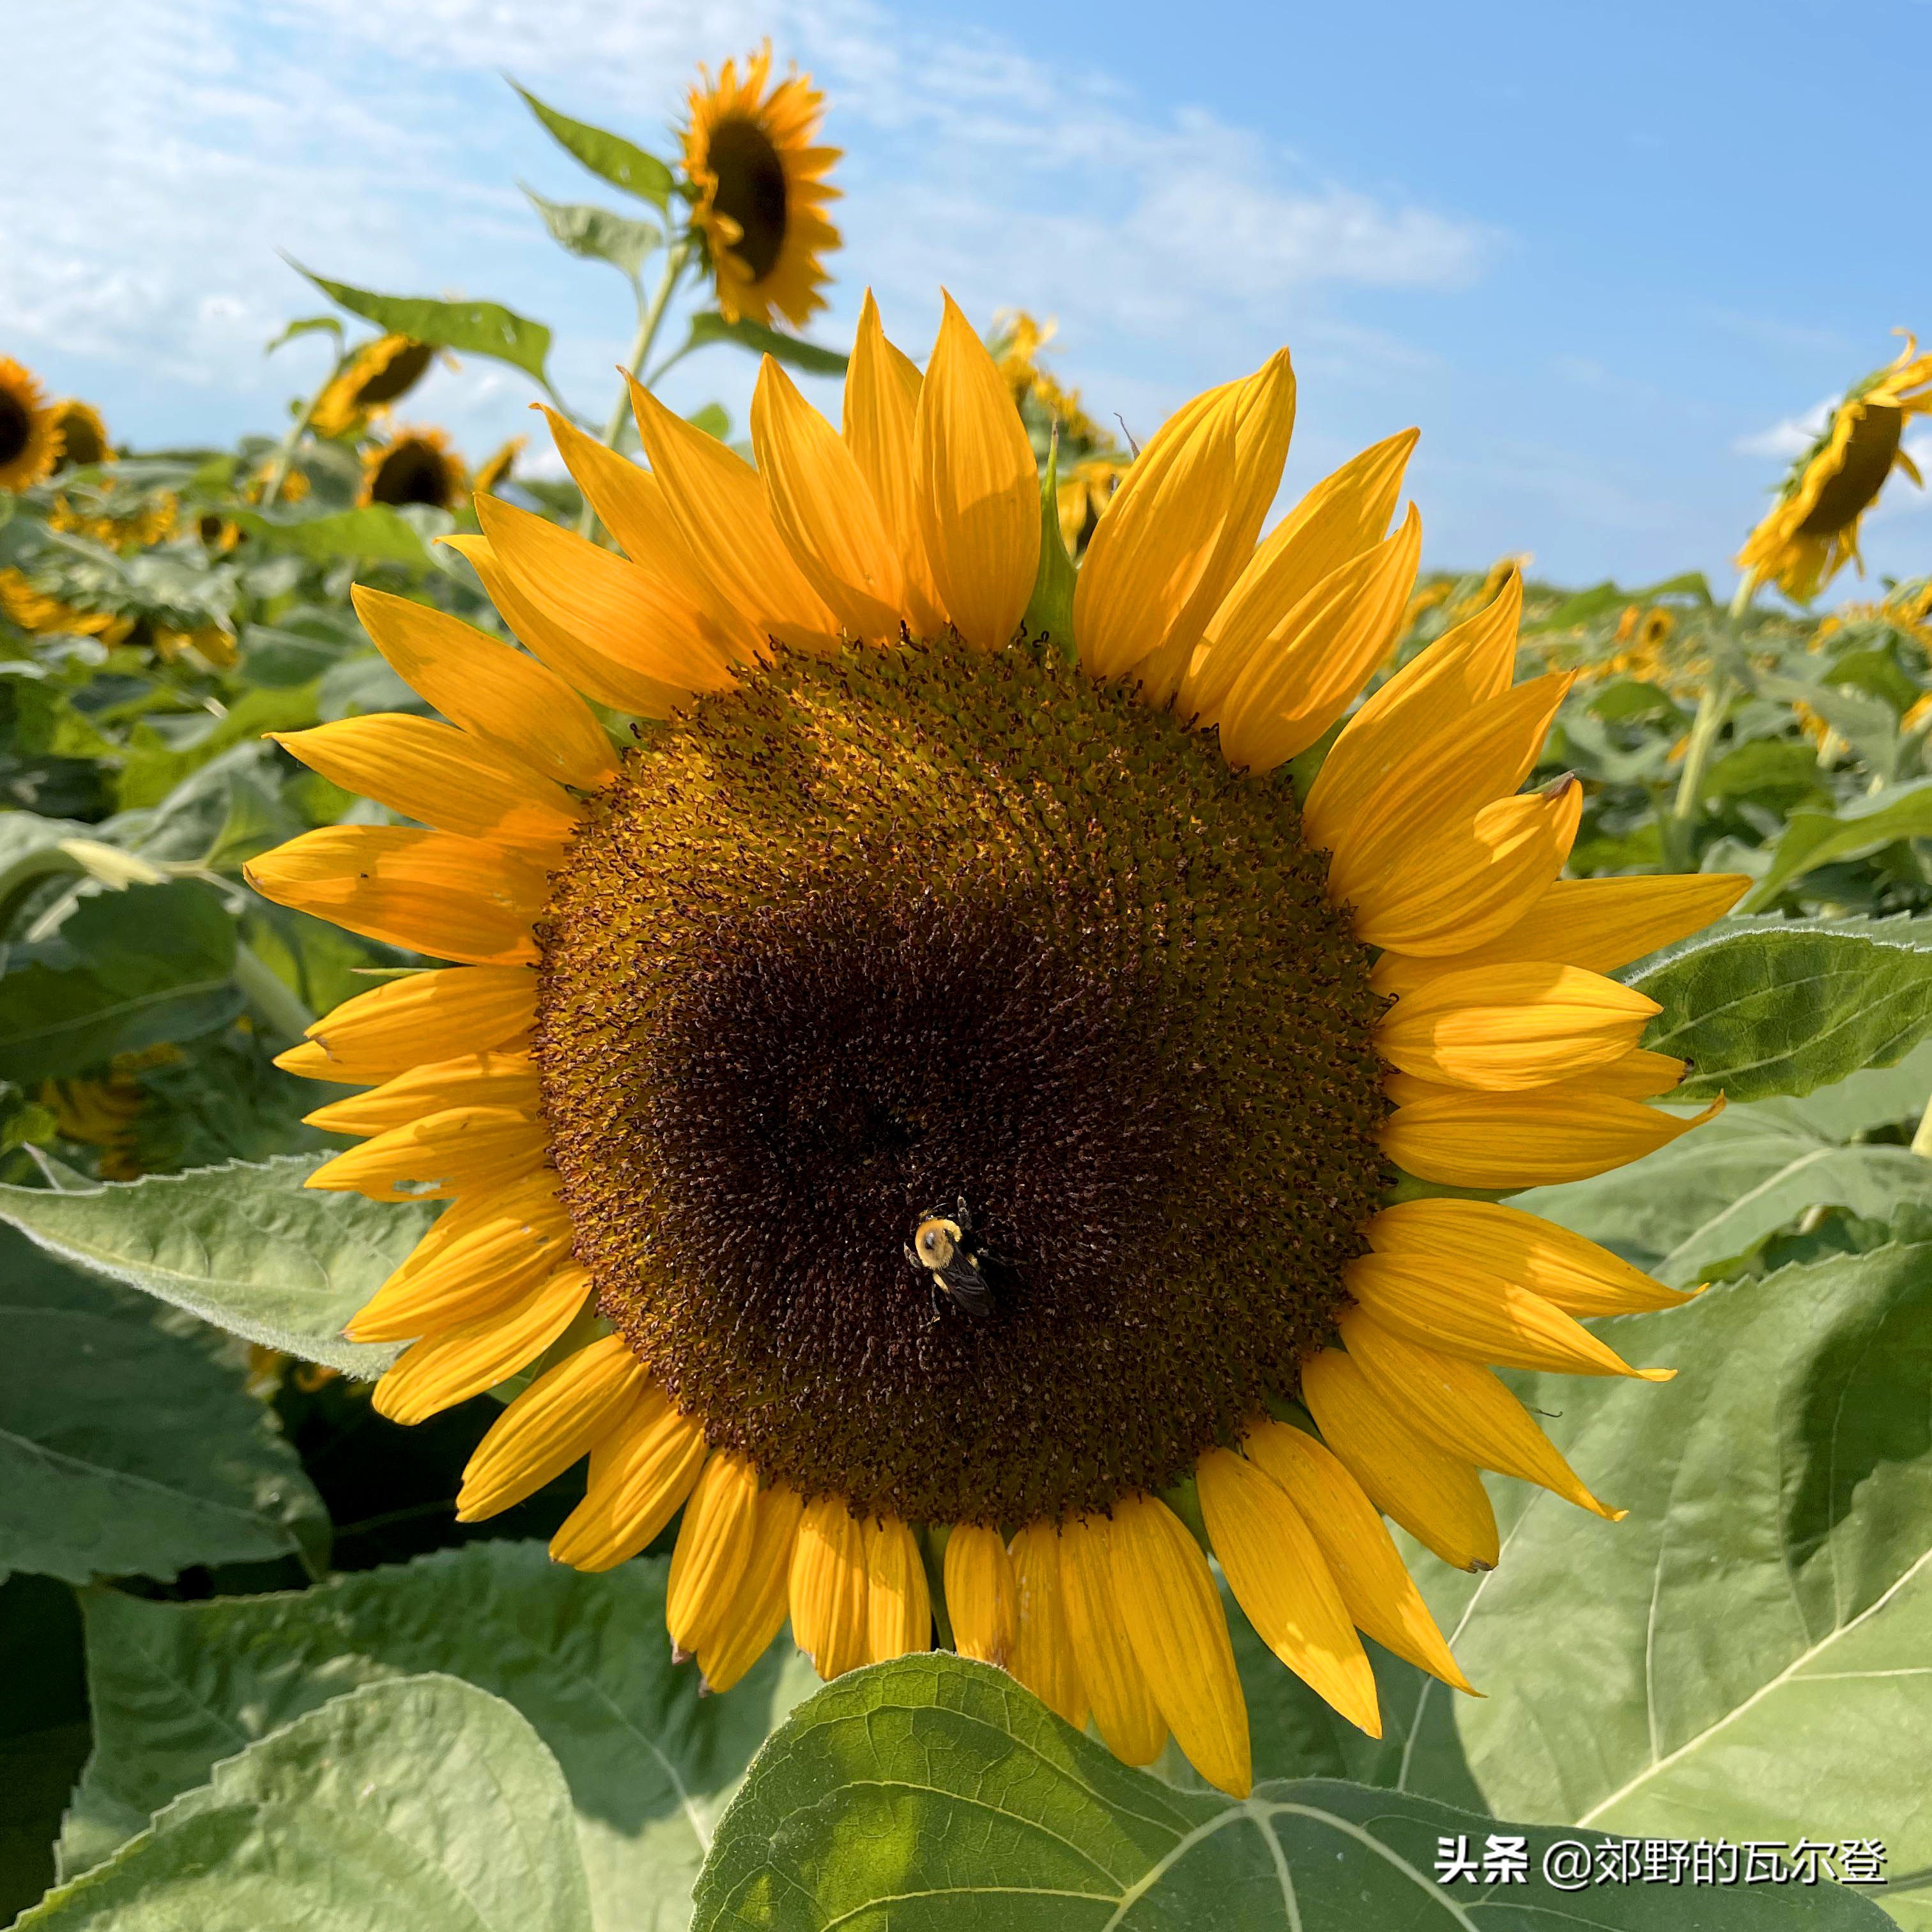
(413, 466)
(940, 1092)
(757, 176)
(30, 437)
(378, 373)
(83, 435)
(1811, 533)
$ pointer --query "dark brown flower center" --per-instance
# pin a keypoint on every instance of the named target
(16, 426)
(414, 472)
(878, 934)
(751, 190)
(82, 443)
(396, 376)
(1866, 463)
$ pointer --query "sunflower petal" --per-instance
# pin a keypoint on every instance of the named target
(470, 1080)
(980, 1595)
(1377, 1590)
(443, 1154)
(1438, 1497)
(714, 1544)
(1116, 1687)
(1044, 1659)
(829, 1588)
(758, 1610)
(899, 1605)
(429, 1016)
(640, 1475)
(1463, 1407)
(1535, 1138)
(976, 488)
(1280, 1578)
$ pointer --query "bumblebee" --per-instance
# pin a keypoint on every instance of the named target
(946, 1246)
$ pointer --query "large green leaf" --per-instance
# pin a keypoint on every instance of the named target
(1747, 1653)
(127, 969)
(1762, 1007)
(375, 533)
(599, 234)
(621, 163)
(43, 1730)
(708, 326)
(423, 1803)
(1812, 838)
(478, 328)
(245, 1247)
(933, 1794)
(650, 1765)
(127, 1447)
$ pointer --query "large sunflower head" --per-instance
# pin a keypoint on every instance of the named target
(1811, 533)
(413, 466)
(938, 1107)
(379, 373)
(758, 180)
(30, 437)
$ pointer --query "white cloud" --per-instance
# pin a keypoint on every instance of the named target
(1790, 439)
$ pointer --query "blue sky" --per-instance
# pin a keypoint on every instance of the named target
(1609, 260)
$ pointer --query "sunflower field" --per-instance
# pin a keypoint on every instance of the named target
(928, 1172)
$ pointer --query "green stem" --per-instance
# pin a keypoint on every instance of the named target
(1704, 730)
(648, 323)
(1921, 1141)
(285, 455)
(281, 1014)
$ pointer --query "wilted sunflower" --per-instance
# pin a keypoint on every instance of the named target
(1812, 531)
(30, 441)
(912, 965)
(378, 373)
(414, 466)
(760, 189)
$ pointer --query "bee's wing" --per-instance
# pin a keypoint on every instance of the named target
(965, 1284)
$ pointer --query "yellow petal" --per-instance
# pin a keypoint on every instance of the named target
(1466, 664)
(428, 1016)
(549, 1425)
(452, 1152)
(757, 1609)
(898, 1605)
(1598, 924)
(1460, 1307)
(1575, 1274)
(824, 511)
(1463, 1407)
(882, 389)
(1177, 532)
(462, 1362)
(589, 669)
(830, 1618)
(718, 505)
(470, 1080)
(452, 898)
(980, 1598)
(592, 593)
(1043, 1657)
(1171, 1613)
(640, 1475)
(1460, 884)
(1535, 1138)
(1377, 1590)
(1280, 1578)
(1505, 1026)
(976, 488)
(493, 692)
(1637, 1075)
(1438, 1497)
(714, 1544)
(1302, 672)
(1116, 1685)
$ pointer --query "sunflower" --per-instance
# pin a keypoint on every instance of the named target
(378, 374)
(759, 189)
(1812, 532)
(414, 466)
(47, 615)
(496, 470)
(30, 440)
(905, 927)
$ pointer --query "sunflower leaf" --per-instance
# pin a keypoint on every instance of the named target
(375, 533)
(1812, 837)
(245, 1247)
(307, 324)
(618, 161)
(1745, 1654)
(940, 1783)
(649, 1765)
(475, 327)
(423, 1802)
(1766, 1006)
(708, 326)
(598, 234)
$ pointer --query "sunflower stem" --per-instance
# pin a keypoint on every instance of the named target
(279, 464)
(279, 1011)
(1921, 1141)
(1712, 703)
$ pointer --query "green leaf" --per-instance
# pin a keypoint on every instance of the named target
(129, 1446)
(1764, 1006)
(619, 162)
(376, 533)
(423, 1803)
(154, 768)
(708, 326)
(128, 970)
(650, 1765)
(598, 234)
(935, 1793)
(475, 328)
(247, 1247)
(1049, 612)
(307, 324)
(1746, 1653)
(1813, 838)
(43, 1730)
